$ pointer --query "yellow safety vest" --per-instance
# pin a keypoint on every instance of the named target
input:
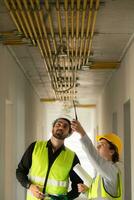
(97, 190)
(58, 178)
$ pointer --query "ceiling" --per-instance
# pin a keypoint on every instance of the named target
(69, 49)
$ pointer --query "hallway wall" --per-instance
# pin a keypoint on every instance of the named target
(118, 91)
(21, 122)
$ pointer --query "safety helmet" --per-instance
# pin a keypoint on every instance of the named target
(113, 138)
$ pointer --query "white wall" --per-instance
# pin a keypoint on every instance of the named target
(119, 89)
(21, 122)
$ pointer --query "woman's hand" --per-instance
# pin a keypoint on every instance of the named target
(76, 126)
(36, 191)
(82, 187)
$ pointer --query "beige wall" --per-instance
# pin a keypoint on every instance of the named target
(21, 122)
(119, 89)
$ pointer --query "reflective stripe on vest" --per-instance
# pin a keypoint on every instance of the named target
(98, 192)
(53, 182)
(59, 173)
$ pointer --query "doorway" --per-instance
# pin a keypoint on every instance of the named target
(127, 151)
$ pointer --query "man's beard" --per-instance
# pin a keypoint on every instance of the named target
(59, 135)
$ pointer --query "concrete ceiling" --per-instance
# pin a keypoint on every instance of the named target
(90, 65)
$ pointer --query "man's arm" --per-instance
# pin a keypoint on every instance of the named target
(24, 166)
(75, 179)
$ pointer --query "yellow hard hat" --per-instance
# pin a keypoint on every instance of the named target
(112, 137)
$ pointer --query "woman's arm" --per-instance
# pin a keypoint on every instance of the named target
(105, 168)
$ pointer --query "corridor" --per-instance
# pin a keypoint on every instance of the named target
(62, 59)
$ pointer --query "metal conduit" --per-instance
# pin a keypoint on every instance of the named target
(82, 32)
(55, 46)
(41, 45)
(88, 29)
(72, 26)
(59, 20)
(51, 25)
(67, 34)
(53, 76)
(77, 27)
(74, 64)
(60, 33)
(17, 12)
(13, 16)
(77, 38)
(93, 27)
(26, 23)
(50, 59)
(16, 18)
(47, 44)
(72, 96)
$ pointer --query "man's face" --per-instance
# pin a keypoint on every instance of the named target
(61, 129)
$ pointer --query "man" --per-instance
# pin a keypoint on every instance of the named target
(107, 183)
(46, 166)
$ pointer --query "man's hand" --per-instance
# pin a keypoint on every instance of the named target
(82, 187)
(36, 191)
(76, 126)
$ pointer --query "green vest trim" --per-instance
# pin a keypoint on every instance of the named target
(97, 190)
(58, 177)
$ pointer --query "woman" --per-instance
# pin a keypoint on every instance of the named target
(107, 182)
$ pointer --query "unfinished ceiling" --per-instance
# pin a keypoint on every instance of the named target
(67, 49)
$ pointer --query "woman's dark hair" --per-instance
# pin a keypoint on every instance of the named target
(115, 156)
(69, 122)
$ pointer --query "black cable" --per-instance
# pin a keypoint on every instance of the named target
(76, 117)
